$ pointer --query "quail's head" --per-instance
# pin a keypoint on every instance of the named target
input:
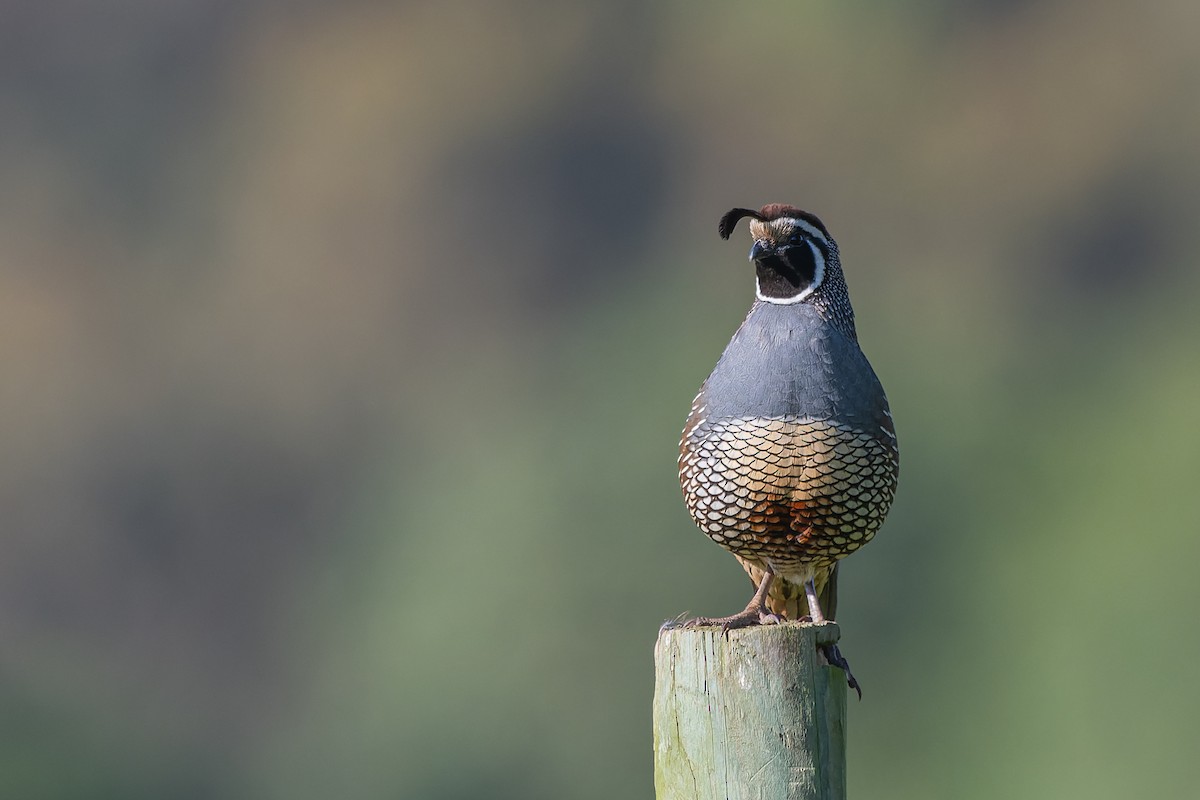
(795, 259)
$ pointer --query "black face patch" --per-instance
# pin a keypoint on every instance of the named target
(786, 272)
(802, 260)
(777, 265)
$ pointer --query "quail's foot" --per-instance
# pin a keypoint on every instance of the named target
(835, 657)
(755, 613)
(743, 619)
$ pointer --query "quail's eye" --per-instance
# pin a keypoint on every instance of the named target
(794, 239)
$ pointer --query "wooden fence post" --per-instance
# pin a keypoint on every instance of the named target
(757, 715)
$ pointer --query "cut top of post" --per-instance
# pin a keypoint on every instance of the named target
(756, 713)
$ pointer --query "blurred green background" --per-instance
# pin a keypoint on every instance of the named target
(346, 348)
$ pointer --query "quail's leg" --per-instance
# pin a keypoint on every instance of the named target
(831, 652)
(754, 614)
(814, 605)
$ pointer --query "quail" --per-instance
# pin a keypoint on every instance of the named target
(789, 457)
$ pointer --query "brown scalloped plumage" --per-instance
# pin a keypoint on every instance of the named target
(786, 491)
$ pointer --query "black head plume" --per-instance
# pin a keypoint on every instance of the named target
(730, 220)
(770, 211)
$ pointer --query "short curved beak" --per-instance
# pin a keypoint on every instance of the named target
(760, 249)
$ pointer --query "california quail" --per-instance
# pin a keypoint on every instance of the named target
(789, 457)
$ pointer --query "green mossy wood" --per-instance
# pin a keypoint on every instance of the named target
(757, 715)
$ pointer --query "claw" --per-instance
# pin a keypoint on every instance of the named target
(754, 614)
(835, 657)
(675, 622)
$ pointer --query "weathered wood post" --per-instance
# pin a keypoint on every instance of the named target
(754, 715)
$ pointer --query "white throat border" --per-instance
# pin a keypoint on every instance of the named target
(818, 276)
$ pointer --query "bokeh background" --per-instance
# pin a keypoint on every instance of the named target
(346, 346)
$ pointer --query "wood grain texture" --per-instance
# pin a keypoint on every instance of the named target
(757, 715)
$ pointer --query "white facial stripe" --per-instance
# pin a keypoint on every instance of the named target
(812, 230)
(818, 276)
(784, 226)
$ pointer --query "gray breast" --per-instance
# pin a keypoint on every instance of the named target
(786, 360)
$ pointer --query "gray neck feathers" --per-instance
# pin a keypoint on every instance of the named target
(832, 298)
